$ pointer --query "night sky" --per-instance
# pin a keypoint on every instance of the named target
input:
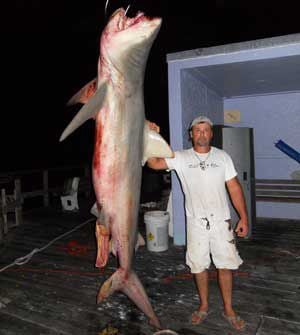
(49, 50)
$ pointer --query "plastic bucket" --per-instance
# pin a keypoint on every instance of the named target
(157, 230)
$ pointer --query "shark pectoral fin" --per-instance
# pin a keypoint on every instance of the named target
(155, 145)
(88, 111)
(102, 237)
(140, 242)
(84, 94)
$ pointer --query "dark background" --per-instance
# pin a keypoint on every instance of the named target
(49, 50)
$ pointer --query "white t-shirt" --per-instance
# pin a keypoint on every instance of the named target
(204, 189)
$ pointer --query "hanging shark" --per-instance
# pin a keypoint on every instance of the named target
(123, 143)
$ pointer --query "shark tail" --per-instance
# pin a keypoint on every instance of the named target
(129, 283)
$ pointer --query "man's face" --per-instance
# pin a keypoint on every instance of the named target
(201, 134)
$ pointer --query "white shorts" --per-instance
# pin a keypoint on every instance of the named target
(217, 241)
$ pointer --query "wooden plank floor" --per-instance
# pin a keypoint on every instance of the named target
(55, 292)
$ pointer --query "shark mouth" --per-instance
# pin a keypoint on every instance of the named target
(125, 22)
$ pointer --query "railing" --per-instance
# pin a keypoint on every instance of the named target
(278, 190)
(17, 187)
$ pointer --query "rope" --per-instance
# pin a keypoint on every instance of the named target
(166, 331)
(27, 258)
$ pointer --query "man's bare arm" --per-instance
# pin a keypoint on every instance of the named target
(238, 199)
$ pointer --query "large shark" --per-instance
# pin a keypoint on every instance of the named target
(123, 142)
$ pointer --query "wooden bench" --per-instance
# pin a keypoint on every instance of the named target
(277, 190)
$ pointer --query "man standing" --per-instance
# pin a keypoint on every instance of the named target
(205, 172)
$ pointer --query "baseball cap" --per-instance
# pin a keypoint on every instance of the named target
(199, 119)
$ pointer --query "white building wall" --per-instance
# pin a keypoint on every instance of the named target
(272, 117)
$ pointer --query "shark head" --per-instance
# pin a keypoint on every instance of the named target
(124, 47)
(126, 42)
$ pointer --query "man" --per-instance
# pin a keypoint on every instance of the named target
(205, 172)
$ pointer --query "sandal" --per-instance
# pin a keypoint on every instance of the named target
(235, 321)
(198, 317)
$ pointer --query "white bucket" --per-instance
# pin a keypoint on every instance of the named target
(157, 230)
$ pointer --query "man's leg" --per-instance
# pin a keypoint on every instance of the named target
(198, 260)
(200, 315)
(202, 287)
(225, 282)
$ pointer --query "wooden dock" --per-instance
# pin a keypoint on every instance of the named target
(55, 292)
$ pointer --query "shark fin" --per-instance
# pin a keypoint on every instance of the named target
(88, 111)
(84, 94)
(112, 248)
(103, 244)
(155, 145)
(140, 242)
(129, 283)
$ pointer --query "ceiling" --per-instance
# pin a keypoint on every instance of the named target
(254, 77)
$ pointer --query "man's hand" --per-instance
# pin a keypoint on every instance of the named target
(153, 126)
(242, 228)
